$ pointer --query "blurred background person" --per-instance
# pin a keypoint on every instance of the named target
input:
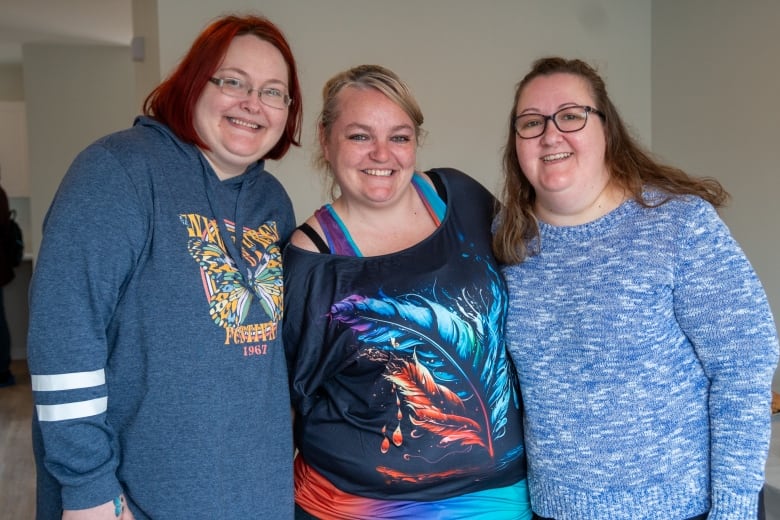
(7, 266)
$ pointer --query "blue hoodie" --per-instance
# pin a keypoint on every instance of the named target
(156, 357)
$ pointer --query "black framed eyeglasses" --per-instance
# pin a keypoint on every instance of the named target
(568, 119)
(238, 88)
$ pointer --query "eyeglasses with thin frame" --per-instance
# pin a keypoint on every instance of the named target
(568, 119)
(238, 88)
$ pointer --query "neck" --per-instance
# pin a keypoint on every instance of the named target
(562, 214)
(379, 230)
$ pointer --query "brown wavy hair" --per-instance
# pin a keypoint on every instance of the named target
(173, 101)
(630, 167)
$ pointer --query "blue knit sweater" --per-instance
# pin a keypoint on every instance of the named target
(645, 349)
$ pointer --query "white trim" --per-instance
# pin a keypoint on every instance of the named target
(58, 382)
(77, 410)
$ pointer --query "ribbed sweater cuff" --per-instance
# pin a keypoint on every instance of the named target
(648, 502)
(733, 506)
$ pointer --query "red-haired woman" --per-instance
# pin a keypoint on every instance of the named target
(155, 352)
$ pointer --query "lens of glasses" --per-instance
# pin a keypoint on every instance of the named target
(273, 97)
(569, 119)
(270, 96)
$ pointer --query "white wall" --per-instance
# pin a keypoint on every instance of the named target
(703, 71)
(73, 95)
(14, 163)
(715, 113)
(147, 69)
(461, 58)
(685, 66)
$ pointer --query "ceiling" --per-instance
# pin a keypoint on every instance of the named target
(62, 21)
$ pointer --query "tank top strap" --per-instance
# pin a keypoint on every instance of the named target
(338, 237)
(336, 233)
(436, 207)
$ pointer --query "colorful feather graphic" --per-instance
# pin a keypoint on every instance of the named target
(442, 357)
(435, 407)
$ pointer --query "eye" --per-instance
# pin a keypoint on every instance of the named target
(273, 92)
(357, 137)
(401, 139)
(574, 114)
(233, 83)
(530, 122)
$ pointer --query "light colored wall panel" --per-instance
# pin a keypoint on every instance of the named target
(715, 113)
(14, 164)
(461, 58)
(74, 94)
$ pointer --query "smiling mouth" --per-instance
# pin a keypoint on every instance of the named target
(245, 124)
(556, 156)
(378, 173)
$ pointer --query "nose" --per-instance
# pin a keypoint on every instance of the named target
(252, 103)
(551, 134)
(379, 152)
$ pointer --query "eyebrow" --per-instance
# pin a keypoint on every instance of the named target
(534, 110)
(242, 72)
(368, 128)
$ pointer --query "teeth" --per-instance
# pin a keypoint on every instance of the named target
(555, 157)
(241, 122)
(379, 173)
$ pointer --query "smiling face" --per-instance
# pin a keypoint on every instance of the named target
(370, 147)
(567, 170)
(241, 131)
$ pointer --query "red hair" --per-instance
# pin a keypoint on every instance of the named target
(173, 101)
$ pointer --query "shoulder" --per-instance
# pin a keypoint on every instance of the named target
(687, 223)
(146, 142)
(451, 175)
(683, 210)
(301, 239)
(455, 181)
(131, 145)
(465, 195)
(137, 155)
(269, 187)
(675, 203)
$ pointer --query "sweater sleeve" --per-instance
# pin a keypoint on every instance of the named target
(722, 308)
(93, 235)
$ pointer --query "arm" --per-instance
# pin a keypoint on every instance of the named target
(93, 235)
(116, 509)
(310, 287)
(721, 306)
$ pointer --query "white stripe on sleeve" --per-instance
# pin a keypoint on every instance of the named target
(77, 410)
(72, 381)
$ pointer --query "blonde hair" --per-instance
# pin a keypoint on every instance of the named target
(362, 77)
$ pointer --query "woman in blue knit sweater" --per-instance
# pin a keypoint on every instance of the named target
(641, 335)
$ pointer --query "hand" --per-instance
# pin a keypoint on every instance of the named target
(107, 511)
